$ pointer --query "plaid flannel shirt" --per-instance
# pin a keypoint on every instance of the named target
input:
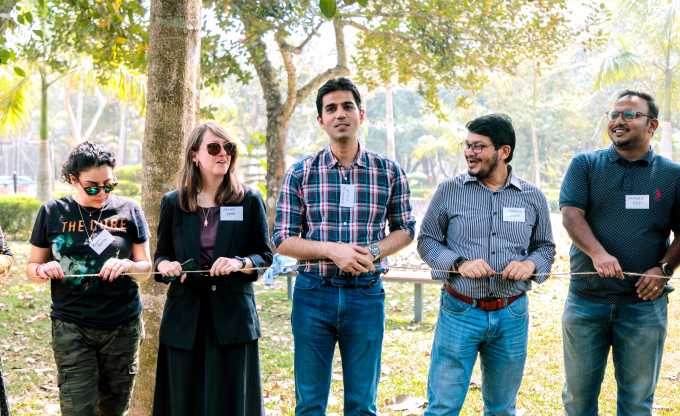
(309, 204)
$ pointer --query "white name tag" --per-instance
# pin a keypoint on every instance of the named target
(637, 201)
(513, 214)
(347, 195)
(103, 240)
(231, 213)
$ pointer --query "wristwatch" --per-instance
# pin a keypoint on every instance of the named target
(457, 262)
(243, 261)
(666, 269)
(374, 250)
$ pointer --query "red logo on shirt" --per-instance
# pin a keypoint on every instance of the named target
(657, 195)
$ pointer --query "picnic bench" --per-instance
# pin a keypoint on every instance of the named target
(418, 279)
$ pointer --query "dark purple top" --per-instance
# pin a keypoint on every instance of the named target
(207, 234)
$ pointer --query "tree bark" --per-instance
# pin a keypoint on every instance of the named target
(172, 113)
(279, 112)
(389, 121)
(44, 175)
(122, 134)
(534, 139)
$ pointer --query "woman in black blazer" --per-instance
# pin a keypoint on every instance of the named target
(208, 360)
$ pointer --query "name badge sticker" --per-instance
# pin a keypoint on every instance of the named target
(347, 195)
(637, 201)
(513, 214)
(231, 213)
(103, 240)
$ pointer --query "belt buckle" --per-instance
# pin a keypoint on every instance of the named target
(333, 282)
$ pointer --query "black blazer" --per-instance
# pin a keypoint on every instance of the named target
(233, 297)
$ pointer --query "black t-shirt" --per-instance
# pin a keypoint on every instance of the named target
(89, 301)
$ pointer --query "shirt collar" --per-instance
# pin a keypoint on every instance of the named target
(613, 156)
(331, 161)
(512, 179)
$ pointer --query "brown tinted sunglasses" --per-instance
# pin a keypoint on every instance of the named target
(214, 148)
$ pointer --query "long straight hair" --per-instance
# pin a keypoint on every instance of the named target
(231, 191)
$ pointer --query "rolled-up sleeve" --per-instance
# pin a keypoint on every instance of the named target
(290, 209)
(541, 244)
(400, 209)
(432, 246)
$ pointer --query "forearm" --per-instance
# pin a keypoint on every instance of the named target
(672, 256)
(301, 249)
(140, 270)
(580, 232)
(393, 243)
(32, 275)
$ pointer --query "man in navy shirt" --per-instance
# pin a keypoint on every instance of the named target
(619, 206)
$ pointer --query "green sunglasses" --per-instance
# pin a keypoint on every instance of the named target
(94, 190)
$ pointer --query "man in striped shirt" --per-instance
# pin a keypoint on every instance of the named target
(485, 233)
(332, 213)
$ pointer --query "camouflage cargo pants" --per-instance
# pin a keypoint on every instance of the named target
(96, 367)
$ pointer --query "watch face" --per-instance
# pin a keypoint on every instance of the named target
(374, 250)
(667, 270)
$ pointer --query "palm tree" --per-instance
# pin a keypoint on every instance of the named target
(652, 60)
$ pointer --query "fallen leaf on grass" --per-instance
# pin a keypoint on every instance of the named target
(405, 402)
(332, 400)
(52, 408)
(43, 370)
(659, 407)
(50, 388)
(29, 360)
(337, 377)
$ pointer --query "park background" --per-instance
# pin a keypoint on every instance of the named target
(139, 75)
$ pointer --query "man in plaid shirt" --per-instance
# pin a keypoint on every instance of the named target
(332, 213)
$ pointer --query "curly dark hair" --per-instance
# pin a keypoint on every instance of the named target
(84, 156)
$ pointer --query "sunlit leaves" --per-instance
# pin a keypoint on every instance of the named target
(328, 8)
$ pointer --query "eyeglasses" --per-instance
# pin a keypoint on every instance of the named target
(214, 148)
(627, 115)
(94, 190)
(476, 147)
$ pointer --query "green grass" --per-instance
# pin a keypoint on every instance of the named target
(405, 356)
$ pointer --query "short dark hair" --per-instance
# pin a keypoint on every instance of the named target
(498, 128)
(84, 156)
(337, 84)
(651, 103)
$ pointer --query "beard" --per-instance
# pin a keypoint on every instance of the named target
(622, 143)
(492, 164)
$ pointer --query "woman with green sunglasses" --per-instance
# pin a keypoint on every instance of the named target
(93, 248)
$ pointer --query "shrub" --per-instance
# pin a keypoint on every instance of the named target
(57, 195)
(128, 188)
(132, 173)
(17, 215)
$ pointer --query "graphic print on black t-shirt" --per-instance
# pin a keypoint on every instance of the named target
(87, 300)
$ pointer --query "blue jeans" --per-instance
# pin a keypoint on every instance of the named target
(635, 333)
(500, 338)
(354, 318)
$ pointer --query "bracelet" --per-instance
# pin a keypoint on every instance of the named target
(130, 263)
(37, 270)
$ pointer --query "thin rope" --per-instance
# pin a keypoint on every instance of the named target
(410, 268)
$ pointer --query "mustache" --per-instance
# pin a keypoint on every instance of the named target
(474, 159)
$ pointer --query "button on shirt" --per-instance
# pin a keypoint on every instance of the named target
(631, 207)
(310, 203)
(467, 219)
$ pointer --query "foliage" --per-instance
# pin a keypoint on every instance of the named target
(452, 44)
(17, 100)
(17, 215)
(128, 188)
(132, 173)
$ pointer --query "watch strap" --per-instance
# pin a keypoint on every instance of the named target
(243, 261)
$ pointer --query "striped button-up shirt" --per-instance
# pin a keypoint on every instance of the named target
(467, 219)
(374, 190)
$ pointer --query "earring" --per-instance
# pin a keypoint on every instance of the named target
(196, 164)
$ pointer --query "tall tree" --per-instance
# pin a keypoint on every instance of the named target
(444, 44)
(649, 55)
(172, 112)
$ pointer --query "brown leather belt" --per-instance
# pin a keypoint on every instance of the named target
(483, 304)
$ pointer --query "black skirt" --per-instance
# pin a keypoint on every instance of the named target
(210, 379)
(4, 404)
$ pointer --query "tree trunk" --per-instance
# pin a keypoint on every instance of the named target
(72, 121)
(79, 111)
(534, 139)
(666, 139)
(172, 112)
(103, 101)
(122, 134)
(389, 121)
(44, 174)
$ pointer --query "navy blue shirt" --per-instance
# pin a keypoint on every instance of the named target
(631, 207)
